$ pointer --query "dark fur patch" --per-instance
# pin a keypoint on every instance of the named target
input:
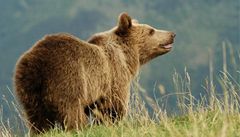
(88, 109)
(95, 40)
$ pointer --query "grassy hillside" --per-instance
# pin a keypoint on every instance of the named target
(203, 124)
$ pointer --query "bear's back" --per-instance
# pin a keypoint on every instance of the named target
(58, 66)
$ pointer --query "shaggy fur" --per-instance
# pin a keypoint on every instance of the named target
(62, 79)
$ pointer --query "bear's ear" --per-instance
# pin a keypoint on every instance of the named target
(124, 23)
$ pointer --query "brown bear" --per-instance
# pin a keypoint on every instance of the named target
(62, 78)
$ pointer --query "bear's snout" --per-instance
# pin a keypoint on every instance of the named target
(173, 35)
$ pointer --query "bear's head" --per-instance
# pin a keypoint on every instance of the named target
(147, 41)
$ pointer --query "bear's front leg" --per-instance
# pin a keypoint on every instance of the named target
(110, 110)
(115, 113)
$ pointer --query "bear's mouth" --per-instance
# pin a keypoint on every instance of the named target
(167, 46)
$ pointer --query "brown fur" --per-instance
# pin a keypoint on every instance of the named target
(61, 79)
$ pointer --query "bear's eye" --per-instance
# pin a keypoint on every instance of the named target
(151, 32)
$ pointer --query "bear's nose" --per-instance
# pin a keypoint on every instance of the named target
(173, 34)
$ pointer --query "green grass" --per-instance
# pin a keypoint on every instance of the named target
(204, 124)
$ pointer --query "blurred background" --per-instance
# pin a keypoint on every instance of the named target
(202, 28)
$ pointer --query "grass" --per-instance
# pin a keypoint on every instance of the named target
(213, 124)
(216, 114)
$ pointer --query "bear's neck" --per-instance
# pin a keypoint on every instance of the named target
(125, 55)
(132, 58)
